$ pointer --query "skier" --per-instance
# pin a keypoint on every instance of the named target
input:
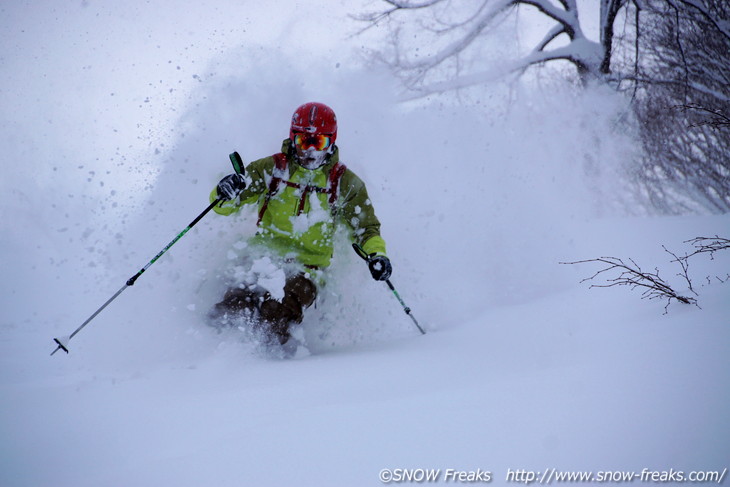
(302, 194)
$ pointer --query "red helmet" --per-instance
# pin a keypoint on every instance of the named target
(314, 118)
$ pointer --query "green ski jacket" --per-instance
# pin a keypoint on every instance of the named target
(298, 216)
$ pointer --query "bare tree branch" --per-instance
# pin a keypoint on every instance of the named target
(683, 83)
(374, 18)
(411, 5)
(708, 245)
(684, 264)
(654, 287)
(718, 118)
(722, 25)
(631, 275)
(451, 50)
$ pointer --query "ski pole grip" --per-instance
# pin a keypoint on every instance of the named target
(237, 163)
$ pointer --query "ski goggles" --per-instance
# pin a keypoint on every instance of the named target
(316, 141)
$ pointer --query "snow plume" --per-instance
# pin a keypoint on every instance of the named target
(496, 197)
(464, 196)
(456, 187)
(249, 111)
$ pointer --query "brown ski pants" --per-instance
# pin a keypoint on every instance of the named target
(274, 316)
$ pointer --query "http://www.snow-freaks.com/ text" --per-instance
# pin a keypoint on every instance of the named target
(548, 476)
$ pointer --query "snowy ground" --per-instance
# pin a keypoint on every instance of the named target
(577, 379)
(523, 366)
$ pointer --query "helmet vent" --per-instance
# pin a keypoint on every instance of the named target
(313, 115)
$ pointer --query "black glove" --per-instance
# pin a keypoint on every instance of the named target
(230, 186)
(380, 267)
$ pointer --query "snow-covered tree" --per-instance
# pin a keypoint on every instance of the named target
(438, 45)
(670, 56)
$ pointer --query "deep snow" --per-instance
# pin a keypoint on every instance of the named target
(109, 150)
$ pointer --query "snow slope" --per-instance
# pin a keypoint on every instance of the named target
(523, 366)
(579, 379)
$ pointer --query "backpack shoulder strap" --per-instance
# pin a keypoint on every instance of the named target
(280, 161)
(277, 174)
(335, 175)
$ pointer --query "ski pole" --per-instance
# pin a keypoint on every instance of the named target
(361, 252)
(62, 342)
